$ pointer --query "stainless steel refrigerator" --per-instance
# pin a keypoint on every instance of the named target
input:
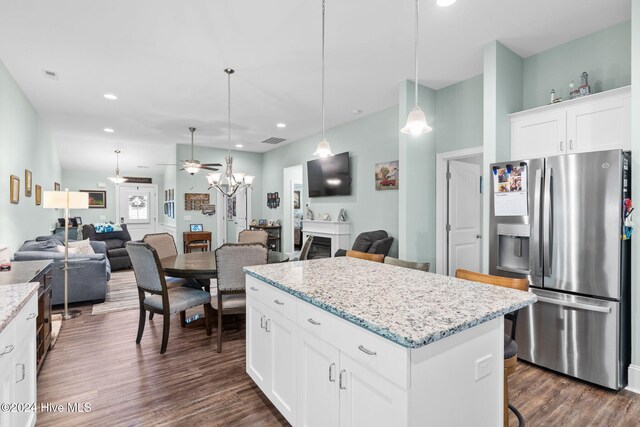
(564, 232)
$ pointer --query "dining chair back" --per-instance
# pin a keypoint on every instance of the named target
(253, 236)
(162, 300)
(366, 256)
(510, 345)
(304, 252)
(422, 266)
(163, 243)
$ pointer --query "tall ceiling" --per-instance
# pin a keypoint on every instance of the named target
(164, 59)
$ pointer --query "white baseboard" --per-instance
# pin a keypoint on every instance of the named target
(634, 379)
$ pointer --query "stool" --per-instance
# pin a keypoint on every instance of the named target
(203, 245)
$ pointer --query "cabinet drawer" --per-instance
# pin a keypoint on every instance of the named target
(382, 356)
(317, 321)
(275, 299)
(25, 320)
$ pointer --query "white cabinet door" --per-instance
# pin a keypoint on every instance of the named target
(539, 135)
(367, 399)
(282, 370)
(598, 126)
(25, 379)
(7, 382)
(318, 397)
(258, 344)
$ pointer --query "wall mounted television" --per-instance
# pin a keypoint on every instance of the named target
(330, 176)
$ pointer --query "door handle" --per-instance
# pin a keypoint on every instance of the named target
(342, 381)
(313, 322)
(332, 375)
(561, 145)
(267, 325)
(537, 261)
(366, 350)
(547, 224)
(32, 316)
(24, 374)
(278, 302)
(254, 289)
(578, 305)
(262, 322)
(571, 144)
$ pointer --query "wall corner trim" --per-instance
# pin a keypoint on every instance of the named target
(634, 379)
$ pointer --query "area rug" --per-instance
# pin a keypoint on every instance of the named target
(56, 325)
(122, 294)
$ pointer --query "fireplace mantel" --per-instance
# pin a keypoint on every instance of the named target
(337, 231)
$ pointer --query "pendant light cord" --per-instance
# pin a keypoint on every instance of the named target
(192, 145)
(416, 49)
(229, 113)
(323, 114)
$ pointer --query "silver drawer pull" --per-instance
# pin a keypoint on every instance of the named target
(254, 289)
(22, 365)
(32, 316)
(267, 325)
(262, 319)
(366, 350)
(313, 322)
(278, 302)
(7, 349)
(342, 382)
(332, 375)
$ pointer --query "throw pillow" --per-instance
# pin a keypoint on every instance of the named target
(72, 251)
(42, 246)
(83, 247)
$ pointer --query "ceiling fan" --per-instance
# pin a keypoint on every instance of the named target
(193, 166)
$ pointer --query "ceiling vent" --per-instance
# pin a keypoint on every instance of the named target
(273, 140)
(50, 74)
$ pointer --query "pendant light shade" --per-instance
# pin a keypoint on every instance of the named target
(117, 179)
(324, 148)
(416, 121)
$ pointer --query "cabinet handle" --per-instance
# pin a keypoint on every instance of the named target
(23, 372)
(254, 289)
(278, 302)
(332, 377)
(342, 382)
(32, 316)
(7, 349)
(313, 322)
(262, 322)
(267, 325)
(366, 350)
(561, 146)
(571, 144)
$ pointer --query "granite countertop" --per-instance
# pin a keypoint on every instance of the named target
(409, 307)
(13, 298)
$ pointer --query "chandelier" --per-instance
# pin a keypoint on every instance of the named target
(229, 183)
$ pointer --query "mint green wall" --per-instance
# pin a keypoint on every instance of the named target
(169, 181)
(605, 55)
(635, 185)
(25, 143)
(76, 180)
(417, 217)
(371, 139)
(459, 115)
(250, 163)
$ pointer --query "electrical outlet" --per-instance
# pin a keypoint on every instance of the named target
(483, 367)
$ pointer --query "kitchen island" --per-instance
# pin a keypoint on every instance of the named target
(347, 342)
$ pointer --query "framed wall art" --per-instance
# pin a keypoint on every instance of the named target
(387, 176)
(56, 186)
(28, 182)
(14, 189)
(38, 195)
(97, 199)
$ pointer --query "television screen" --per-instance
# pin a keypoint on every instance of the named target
(330, 176)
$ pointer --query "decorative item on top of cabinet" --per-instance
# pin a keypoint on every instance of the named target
(342, 216)
(309, 214)
(326, 217)
(273, 200)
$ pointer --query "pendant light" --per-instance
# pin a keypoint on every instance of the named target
(117, 179)
(417, 121)
(232, 181)
(324, 149)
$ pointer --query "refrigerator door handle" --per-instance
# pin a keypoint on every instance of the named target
(537, 247)
(547, 232)
(577, 305)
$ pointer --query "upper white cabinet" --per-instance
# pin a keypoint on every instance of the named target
(598, 122)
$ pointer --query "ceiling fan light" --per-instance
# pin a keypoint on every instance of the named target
(323, 150)
(416, 123)
(192, 168)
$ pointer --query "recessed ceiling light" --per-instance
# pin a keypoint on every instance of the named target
(281, 125)
(445, 3)
(356, 111)
(239, 145)
(109, 130)
(110, 96)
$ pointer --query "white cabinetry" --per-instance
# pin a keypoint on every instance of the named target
(594, 123)
(18, 366)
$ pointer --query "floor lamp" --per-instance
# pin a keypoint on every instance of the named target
(66, 200)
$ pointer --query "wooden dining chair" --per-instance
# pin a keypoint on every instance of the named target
(510, 345)
(162, 300)
(304, 252)
(230, 296)
(253, 236)
(366, 256)
(422, 266)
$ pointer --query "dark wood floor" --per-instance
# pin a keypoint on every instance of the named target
(96, 360)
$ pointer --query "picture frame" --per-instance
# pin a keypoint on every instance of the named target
(387, 175)
(196, 227)
(97, 199)
(78, 221)
(73, 222)
(61, 222)
(28, 183)
(262, 222)
(38, 195)
(56, 186)
(296, 199)
(14, 189)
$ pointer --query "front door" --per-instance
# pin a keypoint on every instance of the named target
(464, 217)
(137, 209)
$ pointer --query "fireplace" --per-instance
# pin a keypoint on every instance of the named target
(320, 248)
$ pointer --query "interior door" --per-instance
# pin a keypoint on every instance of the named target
(465, 207)
(137, 209)
(241, 211)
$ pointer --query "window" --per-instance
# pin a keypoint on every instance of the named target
(138, 207)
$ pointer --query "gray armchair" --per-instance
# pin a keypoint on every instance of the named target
(371, 242)
(88, 275)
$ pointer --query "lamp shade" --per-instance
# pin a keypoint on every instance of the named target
(416, 123)
(65, 200)
(323, 150)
